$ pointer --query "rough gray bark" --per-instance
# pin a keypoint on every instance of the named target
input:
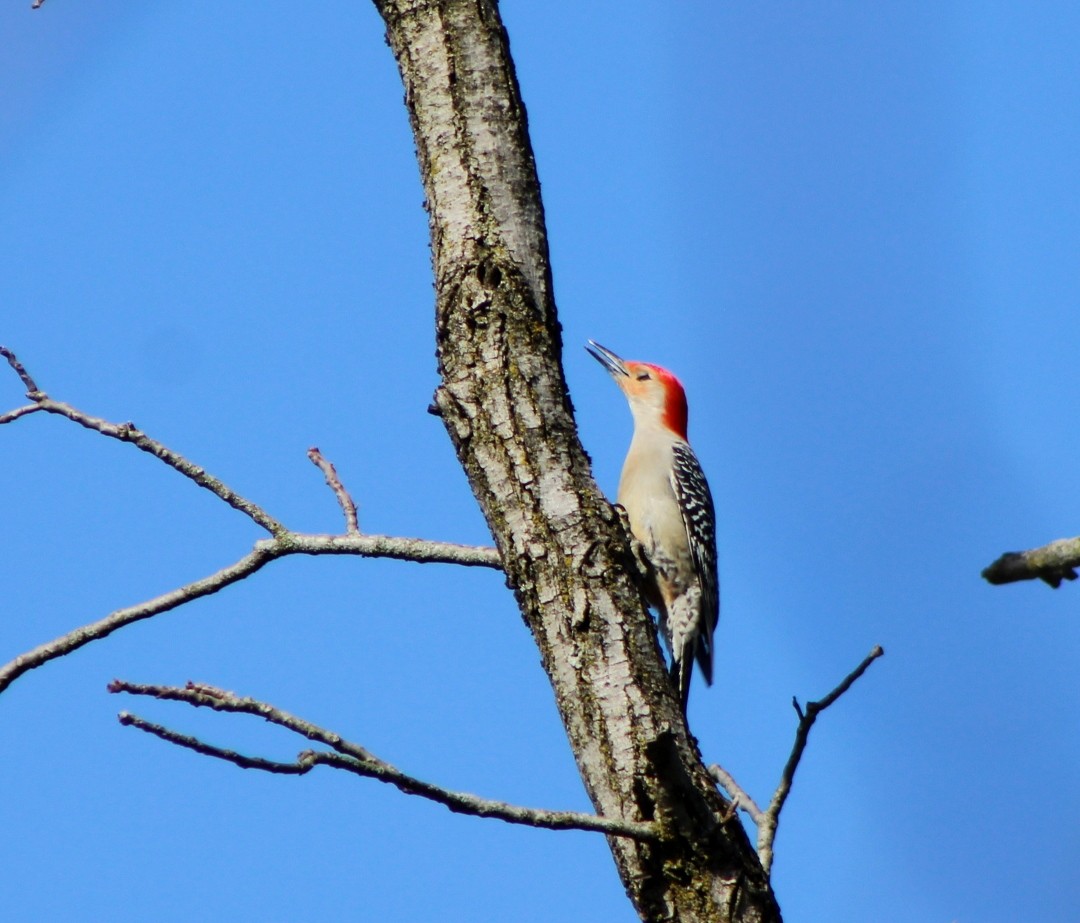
(504, 402)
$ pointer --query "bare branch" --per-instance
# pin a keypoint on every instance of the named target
(18, 412)
(283, 543)
(813, 708)
(736, 792)
(420, 550)
(1051, 563)
(266, 550)
(348, 507)
(203, 695)
(193, 743)
(465, 803)
(766, 821)
(24, 376)
(356, 759)
(127, 432)
(95, 631)
(771, 816)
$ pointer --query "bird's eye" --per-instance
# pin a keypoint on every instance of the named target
(643, 376)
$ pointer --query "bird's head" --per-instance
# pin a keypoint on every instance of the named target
(654, 393)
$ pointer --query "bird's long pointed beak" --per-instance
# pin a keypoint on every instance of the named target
(607, 359)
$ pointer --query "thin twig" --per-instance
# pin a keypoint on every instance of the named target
(265, 551)
(128, 432)
(735, 792)
(193, 743)
(1051, 563)
(771, 816)
(24, 376)
(813, 708)
(475, 806)
(18, 412)
(348, 506)
(95, 631)
(356, 759)
(766, 821)
(732, 809)
(203, 695)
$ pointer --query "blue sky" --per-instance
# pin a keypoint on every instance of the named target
(851, 229)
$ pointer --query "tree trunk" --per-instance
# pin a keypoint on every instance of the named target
(504, 402)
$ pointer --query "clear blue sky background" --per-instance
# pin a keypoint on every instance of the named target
(852, 229)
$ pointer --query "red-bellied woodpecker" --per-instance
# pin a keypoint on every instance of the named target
(670, 508)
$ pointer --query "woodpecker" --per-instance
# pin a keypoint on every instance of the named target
(671, 513)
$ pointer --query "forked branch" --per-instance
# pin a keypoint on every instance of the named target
(766, 821)
(351, 757)
(283, 542)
